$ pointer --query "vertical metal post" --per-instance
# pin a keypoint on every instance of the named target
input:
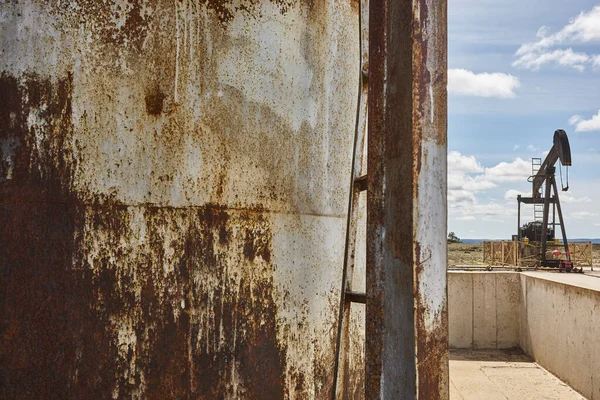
(543, 239)
(406, 326)
(519, 218)
(554, 217)
(560, 219)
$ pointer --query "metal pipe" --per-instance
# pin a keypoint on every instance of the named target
(406, 311)
(344, 307)
(561, 221)
(519, 218)
(543, 239)
(554, 217)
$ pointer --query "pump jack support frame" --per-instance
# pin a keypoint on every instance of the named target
(550, 182)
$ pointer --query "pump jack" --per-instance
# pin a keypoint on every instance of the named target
(545, 176)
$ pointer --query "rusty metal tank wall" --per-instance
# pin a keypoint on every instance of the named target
(173, 192)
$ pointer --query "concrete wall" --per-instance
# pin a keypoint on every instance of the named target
(560, 329)
(483, 310)
(555, 318)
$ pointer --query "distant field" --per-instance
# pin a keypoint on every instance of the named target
(465, 254)
(472, 254)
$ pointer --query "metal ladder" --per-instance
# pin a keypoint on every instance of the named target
(358, 185)
(538, 209)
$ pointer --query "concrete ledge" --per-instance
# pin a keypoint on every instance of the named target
(560, 327)
(554, 318)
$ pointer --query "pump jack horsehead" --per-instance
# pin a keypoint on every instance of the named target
(543, 175)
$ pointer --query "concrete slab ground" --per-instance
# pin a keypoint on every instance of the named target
(503, 375)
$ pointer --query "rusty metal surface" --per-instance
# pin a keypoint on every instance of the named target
(406, 354)
(173, 191)
(349, 366)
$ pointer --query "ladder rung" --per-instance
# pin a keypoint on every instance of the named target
(360, 183)
(356, 297)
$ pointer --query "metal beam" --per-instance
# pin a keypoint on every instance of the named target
(535, 200)
(406, 350)
(561, 220)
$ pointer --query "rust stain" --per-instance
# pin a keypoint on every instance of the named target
(155, 99)
(161, 296)
(63, 288)
(138, 15)
(429, 122)
(402, 43)
(46, 321)
(431, 346)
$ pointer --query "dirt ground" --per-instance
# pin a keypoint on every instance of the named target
(465, 254)
(460, 254)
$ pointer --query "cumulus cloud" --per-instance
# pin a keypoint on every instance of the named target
(584, 28)
(517, 170)
(458, 198)
(467, 83)
(489, 212)
(467, 178)
(585, 125)
(459, 163)
(563, 58)
(581, 29)
(512, 194)
(571, 199)
(583, 214)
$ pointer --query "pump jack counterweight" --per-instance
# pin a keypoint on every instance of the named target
(538, 231)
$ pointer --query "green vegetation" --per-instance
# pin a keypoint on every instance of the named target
(452, 238)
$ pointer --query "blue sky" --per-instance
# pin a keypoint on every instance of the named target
(519, 70)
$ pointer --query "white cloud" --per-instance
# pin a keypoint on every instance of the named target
(583, 214)
(459, 163)
(563, 58)
(461, 185)
(512, 194)
(467, 83)
(543, 32)
(467, 178)
(570, 199)
(575, 119)
(583, 125)
(458, 198)
(516, 147)
(584, 28)
(515, 171)
(489, 212)
(532, 148)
